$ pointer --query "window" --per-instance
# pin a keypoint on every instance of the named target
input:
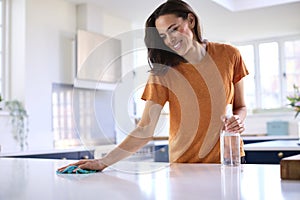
(4, 20)
(274, 67)
(62, 120)
(81, 116)
(269, 75)
(292, 63)
(248, 56)
(2, 13)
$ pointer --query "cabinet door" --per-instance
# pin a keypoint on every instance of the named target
(86, 155)
(267, 157)
(98, 57)
(161, 153)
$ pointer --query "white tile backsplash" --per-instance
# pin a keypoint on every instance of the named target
(257, 123)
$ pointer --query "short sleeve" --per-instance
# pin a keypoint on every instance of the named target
(155, 90)
(240, 69)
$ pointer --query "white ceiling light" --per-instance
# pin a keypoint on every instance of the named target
(238, 5)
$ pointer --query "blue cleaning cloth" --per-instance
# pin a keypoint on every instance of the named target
(69, 170)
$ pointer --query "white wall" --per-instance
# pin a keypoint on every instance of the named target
(256, 124)
(17, 47)
(42, 34)
(42, 39)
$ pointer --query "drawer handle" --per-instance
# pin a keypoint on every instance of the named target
(280, 154)
(162, 150)
(85, 157)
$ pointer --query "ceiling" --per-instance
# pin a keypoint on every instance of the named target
(219, 18)
(239, 5)
(138, 10)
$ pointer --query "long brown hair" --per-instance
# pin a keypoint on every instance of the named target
(160, 56)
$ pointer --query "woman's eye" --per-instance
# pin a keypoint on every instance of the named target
(162, 37)
(173, 30)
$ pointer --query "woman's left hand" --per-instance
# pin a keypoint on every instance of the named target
(90, 164)
(234, 124)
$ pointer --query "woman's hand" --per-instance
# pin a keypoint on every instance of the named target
(95, 164)
(234, 124)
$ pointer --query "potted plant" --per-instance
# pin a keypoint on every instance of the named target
(19, 121)
(295, 100)
(1, 103)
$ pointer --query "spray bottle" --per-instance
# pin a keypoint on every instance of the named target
(230, 143)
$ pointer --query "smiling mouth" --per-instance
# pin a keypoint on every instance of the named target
(177, 45)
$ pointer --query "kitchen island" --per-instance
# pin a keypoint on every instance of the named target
(271, 152)
(23, 178)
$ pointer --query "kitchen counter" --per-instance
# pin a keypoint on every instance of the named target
(263, 138)
(36, 179)
(247, 139)
(283, 145)
(252, 145)
(271, 152)
(79, 152)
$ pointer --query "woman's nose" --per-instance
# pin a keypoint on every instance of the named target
(171, 39)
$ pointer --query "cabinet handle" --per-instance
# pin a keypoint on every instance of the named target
(280, 154)
(162, 150)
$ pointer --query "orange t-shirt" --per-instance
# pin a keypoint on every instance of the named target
(197, 96)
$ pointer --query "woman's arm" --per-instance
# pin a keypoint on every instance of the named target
(236, 123)
(140, 136)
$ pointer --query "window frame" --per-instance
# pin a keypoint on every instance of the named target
(282, 69)
(4, 82)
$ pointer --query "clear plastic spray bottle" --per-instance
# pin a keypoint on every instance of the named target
(230, 143)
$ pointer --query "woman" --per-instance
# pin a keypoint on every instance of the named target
(198, 78)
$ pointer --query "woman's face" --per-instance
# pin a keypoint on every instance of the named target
(176, 32)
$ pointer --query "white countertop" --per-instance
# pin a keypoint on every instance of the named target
(23, 179)
(269, 137)
(282, 145)
(247, 138)
(46, 151)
